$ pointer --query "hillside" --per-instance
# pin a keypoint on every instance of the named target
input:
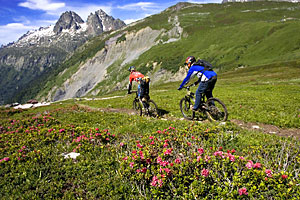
(228, 35)
(38, 53)
(89, 149)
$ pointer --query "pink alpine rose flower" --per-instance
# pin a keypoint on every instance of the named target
(177, 160)
(154, 181)
(201, 151)
(243, 191)
(284, 176)
(268, 172)
(204, 172)
(168, 151)
(257, 165)
(249, 164)
(131, 164)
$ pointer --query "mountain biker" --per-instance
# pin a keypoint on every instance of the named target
(143, 81)
(206, 78)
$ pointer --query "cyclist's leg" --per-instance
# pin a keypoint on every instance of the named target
(210, 87)
(200, 90)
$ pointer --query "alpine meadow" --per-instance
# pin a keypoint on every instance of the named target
(89, 143)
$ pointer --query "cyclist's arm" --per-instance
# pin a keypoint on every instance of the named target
(130, 84)
(187, 78)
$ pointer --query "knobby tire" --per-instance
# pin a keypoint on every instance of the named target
(185, 105)
(216, 110)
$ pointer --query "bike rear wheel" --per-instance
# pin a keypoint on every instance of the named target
(137, 107)
(216, 110)
(185, 105)
(152, 108)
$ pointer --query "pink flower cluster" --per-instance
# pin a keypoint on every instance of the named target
(168, 151)
(268, 172)
(251, 165)
(283, 176)
(4, 159)
(167, 170)
(163, 163)
(156, 182)
(204, 172)
(79, 138)
(224, 155)
(177, 160)
(243, 191)
(22, 148)
(201, 151)
(144, 170)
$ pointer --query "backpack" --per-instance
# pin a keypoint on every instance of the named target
(205, 64)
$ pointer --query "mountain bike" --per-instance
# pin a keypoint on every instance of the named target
(147, 108)
(213, 108)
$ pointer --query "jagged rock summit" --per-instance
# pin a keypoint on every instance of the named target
(68, 20)
(40, 51)
(101, 22)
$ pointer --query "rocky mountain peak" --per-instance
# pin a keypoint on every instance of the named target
(68, 20)
(100, 22)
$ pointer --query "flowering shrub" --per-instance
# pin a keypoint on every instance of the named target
(189, 161)
(172, 163)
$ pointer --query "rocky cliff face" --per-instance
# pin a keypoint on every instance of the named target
(40, 51)
(68, 20)
(101, 22)
(117, 53)
(93, 71)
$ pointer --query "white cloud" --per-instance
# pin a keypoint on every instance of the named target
(129, 21)
(11, 32)
(45, 5)
(139, 6)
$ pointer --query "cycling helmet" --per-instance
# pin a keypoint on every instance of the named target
(131, 68)
(189, 61)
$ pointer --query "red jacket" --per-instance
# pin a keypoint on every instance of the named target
(134, 76)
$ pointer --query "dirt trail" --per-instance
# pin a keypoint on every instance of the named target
(266, 128)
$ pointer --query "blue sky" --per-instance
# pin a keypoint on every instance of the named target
(20, 16)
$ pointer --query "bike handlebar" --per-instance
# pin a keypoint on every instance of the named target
(188, 87)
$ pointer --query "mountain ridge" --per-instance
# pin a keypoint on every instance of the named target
(227, 35)
(45, 48)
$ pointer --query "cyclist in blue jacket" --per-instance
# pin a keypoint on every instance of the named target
(206, 78)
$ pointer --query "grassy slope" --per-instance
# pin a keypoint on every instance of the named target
(267, 94)
(228, 35)
(96, 173)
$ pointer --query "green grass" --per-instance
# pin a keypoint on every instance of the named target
(267, 94)
(227, 35)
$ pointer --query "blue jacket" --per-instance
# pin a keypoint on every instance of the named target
(198, 70)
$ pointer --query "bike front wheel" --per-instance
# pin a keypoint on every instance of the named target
(185, 108)
(152, 109)
(216, 110)
(137, 107)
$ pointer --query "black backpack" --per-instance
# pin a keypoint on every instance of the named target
(205, 64)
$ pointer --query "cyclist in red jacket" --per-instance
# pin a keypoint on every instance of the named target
(143, 81)
(134, 76)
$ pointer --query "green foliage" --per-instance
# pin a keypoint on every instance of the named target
(127, 157)
(121, 39)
